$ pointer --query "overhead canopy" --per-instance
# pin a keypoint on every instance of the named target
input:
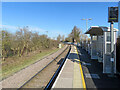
(98, 30)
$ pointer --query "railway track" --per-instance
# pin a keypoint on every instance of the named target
(46, 77)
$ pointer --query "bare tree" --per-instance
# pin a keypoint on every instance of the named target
(24, 41)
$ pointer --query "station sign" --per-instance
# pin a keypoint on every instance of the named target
(113, 14)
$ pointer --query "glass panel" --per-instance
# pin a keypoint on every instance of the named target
(94, 38)
(108, 36)
(108, 48)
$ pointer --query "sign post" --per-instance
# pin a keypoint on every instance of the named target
(112, 17)
(112, 48)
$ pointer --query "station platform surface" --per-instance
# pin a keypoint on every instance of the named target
(71, 74)
(93, 73)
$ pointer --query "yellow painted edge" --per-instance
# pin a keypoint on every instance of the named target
(83, 80)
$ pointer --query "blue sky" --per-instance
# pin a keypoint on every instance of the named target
(56, 18)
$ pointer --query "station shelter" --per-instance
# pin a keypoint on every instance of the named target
(100, 46)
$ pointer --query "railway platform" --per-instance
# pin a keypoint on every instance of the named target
(93, 73)
(71, 74)
(80, 71)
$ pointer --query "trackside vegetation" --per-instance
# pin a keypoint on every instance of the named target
(24, 47)
(23, 42)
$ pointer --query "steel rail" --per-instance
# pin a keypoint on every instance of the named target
(41, 69)
(51, 82)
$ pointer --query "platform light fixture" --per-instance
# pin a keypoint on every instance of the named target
(87, 22)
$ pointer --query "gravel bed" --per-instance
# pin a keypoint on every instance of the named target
(42, 78)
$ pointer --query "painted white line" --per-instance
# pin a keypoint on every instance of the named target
(83, 63)
(80, 54)
(96, 76)
(60, 72)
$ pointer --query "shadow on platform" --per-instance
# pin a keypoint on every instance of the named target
(95, 67)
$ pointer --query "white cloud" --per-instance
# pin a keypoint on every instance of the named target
(36, 29)
(15, 28)
(8, 27)
(50, 33)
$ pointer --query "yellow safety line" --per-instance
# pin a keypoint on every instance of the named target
(83, 80)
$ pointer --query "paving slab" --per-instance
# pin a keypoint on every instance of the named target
(93, 73)
(70, 75)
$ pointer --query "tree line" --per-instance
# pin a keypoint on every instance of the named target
(24, 41)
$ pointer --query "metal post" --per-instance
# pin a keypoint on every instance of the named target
(112, 48)
(86, 23)
(86, 30)
(112, 37)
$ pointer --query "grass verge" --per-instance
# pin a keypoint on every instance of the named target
(10, 68)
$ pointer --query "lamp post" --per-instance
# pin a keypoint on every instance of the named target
(87, 22)
(87, 25)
